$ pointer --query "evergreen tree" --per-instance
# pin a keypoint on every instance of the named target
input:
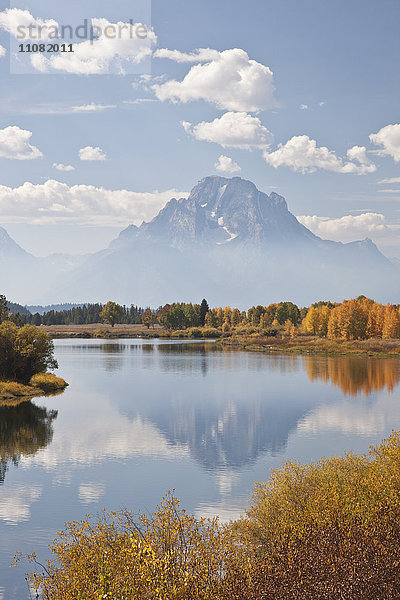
(204, 308)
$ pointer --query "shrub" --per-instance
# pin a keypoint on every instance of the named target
(101, 333)
(330, 529)
(211, 332)
(194, 332)
(321, 531)
(48, 382)
(24, 351)
(168, 554)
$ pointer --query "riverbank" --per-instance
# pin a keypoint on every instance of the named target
(13, 392)
(101, 331)
(252, 339)
(314, 345)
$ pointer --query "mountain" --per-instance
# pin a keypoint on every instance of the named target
(228, 242)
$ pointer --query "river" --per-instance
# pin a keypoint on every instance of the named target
(140, 418)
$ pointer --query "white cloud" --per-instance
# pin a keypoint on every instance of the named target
(14, 144)
(321, 103)
(197, 56)
(90, 153)
(92, 107)
(347, 228)
(358, 154)
(139, 101)
(390, 180)
(95, 438)
(389, 138)
(22, 25)
(61, 167)
(103, 54)
(231, 81)
(225, 164)
(232, 130)
(54, 201)
(389, 191)
(16, 501)
(302, 154)
(303, 106)
(91, 492)
(3, 51)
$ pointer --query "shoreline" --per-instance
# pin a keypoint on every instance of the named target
(256, 342)
(13, 393)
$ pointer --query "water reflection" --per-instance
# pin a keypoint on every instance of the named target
(24, 429)
(354, 375)
(226, 435)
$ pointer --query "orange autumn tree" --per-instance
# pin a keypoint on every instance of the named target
(391, 324)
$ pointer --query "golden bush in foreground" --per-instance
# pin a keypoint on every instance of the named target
(320, 531)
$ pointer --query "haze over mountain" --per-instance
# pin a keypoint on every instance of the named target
(227, 241)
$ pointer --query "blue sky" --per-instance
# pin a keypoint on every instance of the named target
(317, 80)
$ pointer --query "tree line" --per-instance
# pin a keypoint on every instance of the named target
(357, 318)
(80, 315)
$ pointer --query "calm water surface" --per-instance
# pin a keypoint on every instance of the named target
(141, 418)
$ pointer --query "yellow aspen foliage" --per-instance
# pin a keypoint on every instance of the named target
(226, 326)
(235, 317)
(227, 314)
(391, 325)
(220, 317)
(311, 321)
(376, 319)
(348, 321)
(324, 312)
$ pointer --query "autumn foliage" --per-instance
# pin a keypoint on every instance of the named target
(354, 319)
(323, 531)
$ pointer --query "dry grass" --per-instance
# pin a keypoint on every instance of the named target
(48, 382)
(305, 344)
(97, 330)
(13, 393)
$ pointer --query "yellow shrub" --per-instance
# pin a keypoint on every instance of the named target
(319, 531)
(48, 382)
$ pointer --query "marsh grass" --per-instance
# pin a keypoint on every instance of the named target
(12, 392)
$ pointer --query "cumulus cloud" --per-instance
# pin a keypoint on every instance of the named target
(390, 180)
(54, 201)
(90, 153)
(197, 56)
(3, 51)
(21, 24)
(225, 164)
(301, 153)
(232, 130)
(61, 167)
(14, 144)
(231, 81)
(92, 107)
(347, 228)
(104, 53)
(389, 138)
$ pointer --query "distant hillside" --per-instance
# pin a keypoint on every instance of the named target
(17, 308)
(56, 307)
